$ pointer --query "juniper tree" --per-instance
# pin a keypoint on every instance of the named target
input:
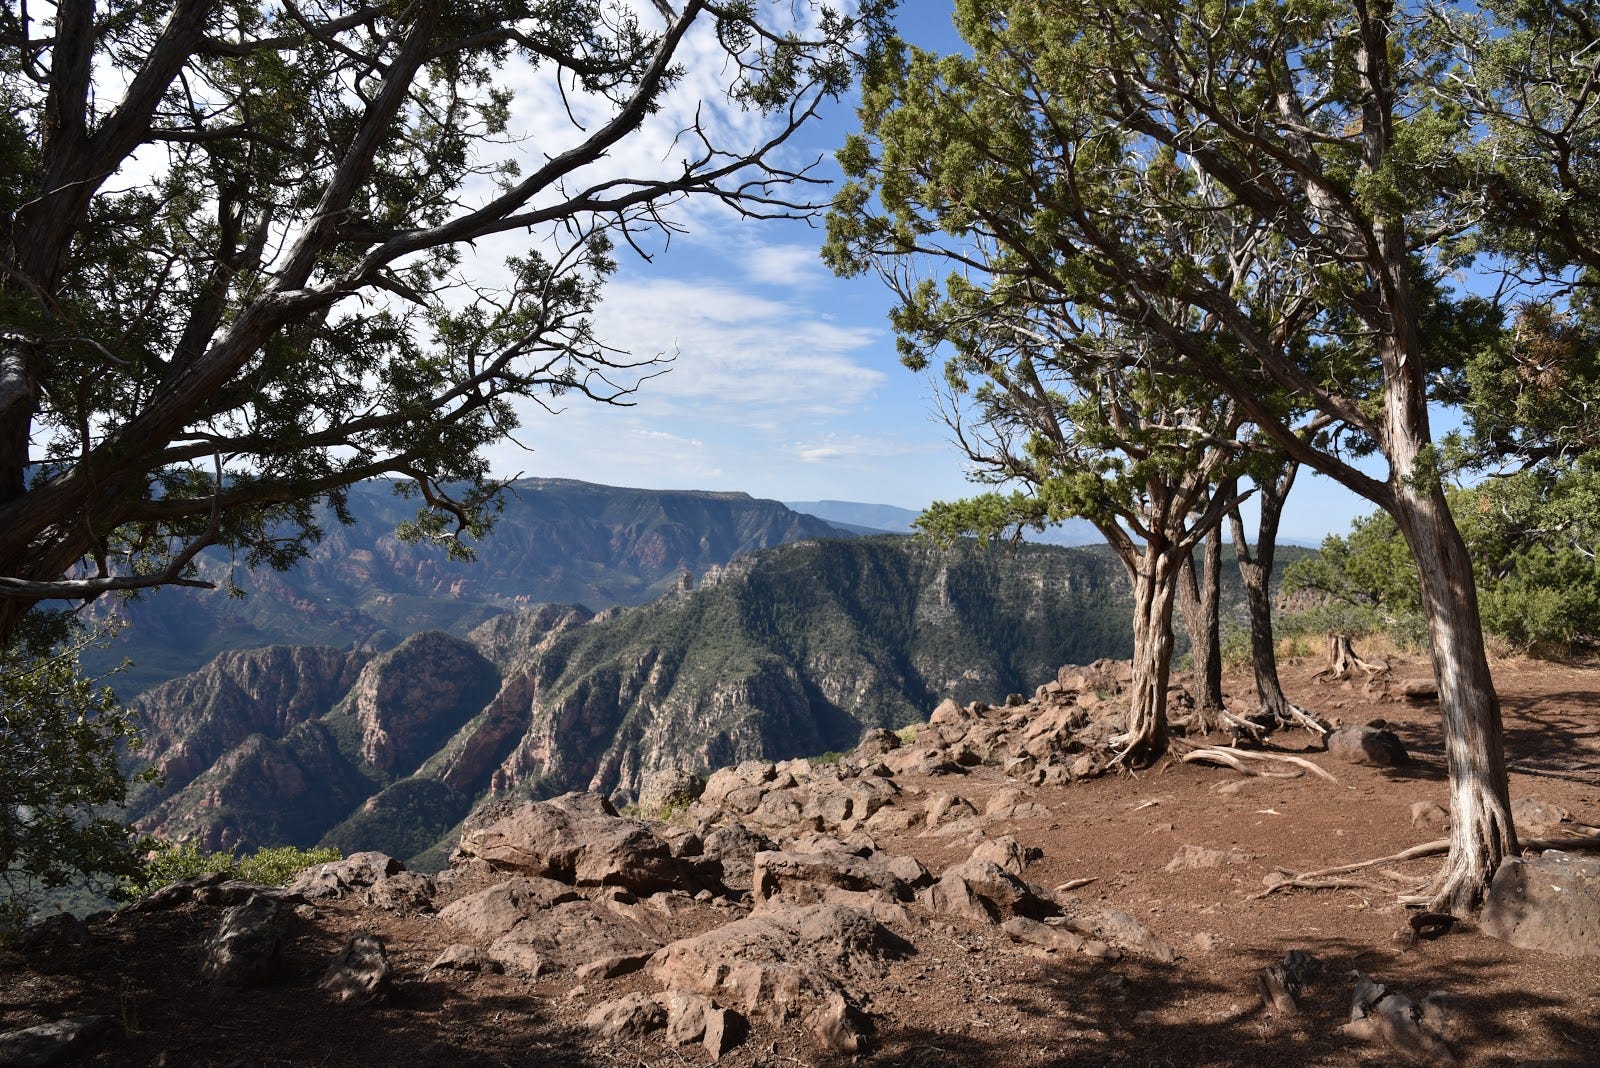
(246, 249)
(1098, 142)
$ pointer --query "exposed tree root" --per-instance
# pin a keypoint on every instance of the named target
(1235, 758)
(1343, 661)
(1328, 878)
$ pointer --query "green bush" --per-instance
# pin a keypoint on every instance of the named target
(273, 866)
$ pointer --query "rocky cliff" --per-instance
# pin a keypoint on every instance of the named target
(788, 652)
(556, 541)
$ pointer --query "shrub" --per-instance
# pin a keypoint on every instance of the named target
(60, 786)
(271, 866)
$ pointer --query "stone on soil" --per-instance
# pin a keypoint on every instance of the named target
(245, 949)
(361, 972)
(1550, 902)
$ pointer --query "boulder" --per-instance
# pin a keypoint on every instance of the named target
(575, 838)
(408, 891)
(361, 972)
(801, 877)
(490, 914)
(460, 957)
(634, 1014)
(52, 1043)
(568, 936)
(338, 878)
(875, 742)
(245, 949)
(735, 841)
(954, 896)
(1434, 815)
(945, 806)
(1367, 745)
(1538, 817)
(670, 789)
(789, 965)
(1117, 928)
(1550, 902)
(1046, 936)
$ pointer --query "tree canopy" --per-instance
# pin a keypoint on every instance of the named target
(247, 251)
(1298, 180)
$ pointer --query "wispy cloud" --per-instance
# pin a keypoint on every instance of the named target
(740, 357)
(834, 447)
(783, 265)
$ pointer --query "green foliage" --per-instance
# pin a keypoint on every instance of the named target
(60, 784)
(1533, 538)
(170, 863)
(280, 299)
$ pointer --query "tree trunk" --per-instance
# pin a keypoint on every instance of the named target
(1255, 570)
(1199, 600)
(1480, 804)
(1154, 590)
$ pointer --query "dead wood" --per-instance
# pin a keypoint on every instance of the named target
(1343, 661)
(1327, 878)
(1234, 758)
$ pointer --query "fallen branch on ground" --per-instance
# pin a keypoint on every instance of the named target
(1234, 758)
(1326, 878)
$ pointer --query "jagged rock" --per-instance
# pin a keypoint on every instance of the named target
(891, 819)
(802, 876)
(1006, 852)
(245, 949)
(1194, 856)
(1538, 817)
(1550, 902)
(735, 841)
(61, 929)
(1383, 1015)
(575, 838)
(1046, 936)
(953, 896)
(361, 972)
(671, 788)
(781, 808)
(1007, 892)
(237, 891)
(612, 966)
(567, 936)
(1432, 814)
(725, 781)
(634, 1014)
(696, 1018)
(51, 1043)
(174, 894)
(461, 957)
(948, 712)
(944, 806)
(875, 742)
(787, 965)
(1418, 689)
(1367, 745)
(922, 760)
(408, 891)
(491, 913)
(340, 877)
(1117, 928)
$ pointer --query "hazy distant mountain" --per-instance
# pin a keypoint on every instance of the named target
(789, 651)
(888, 518)
(557, 541)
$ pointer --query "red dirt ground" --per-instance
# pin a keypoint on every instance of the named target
(968, 997)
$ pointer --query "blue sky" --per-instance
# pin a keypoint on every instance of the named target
(784, 381)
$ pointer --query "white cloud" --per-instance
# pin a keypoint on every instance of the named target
(834, 447)
(740, 358)
(783, 265)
